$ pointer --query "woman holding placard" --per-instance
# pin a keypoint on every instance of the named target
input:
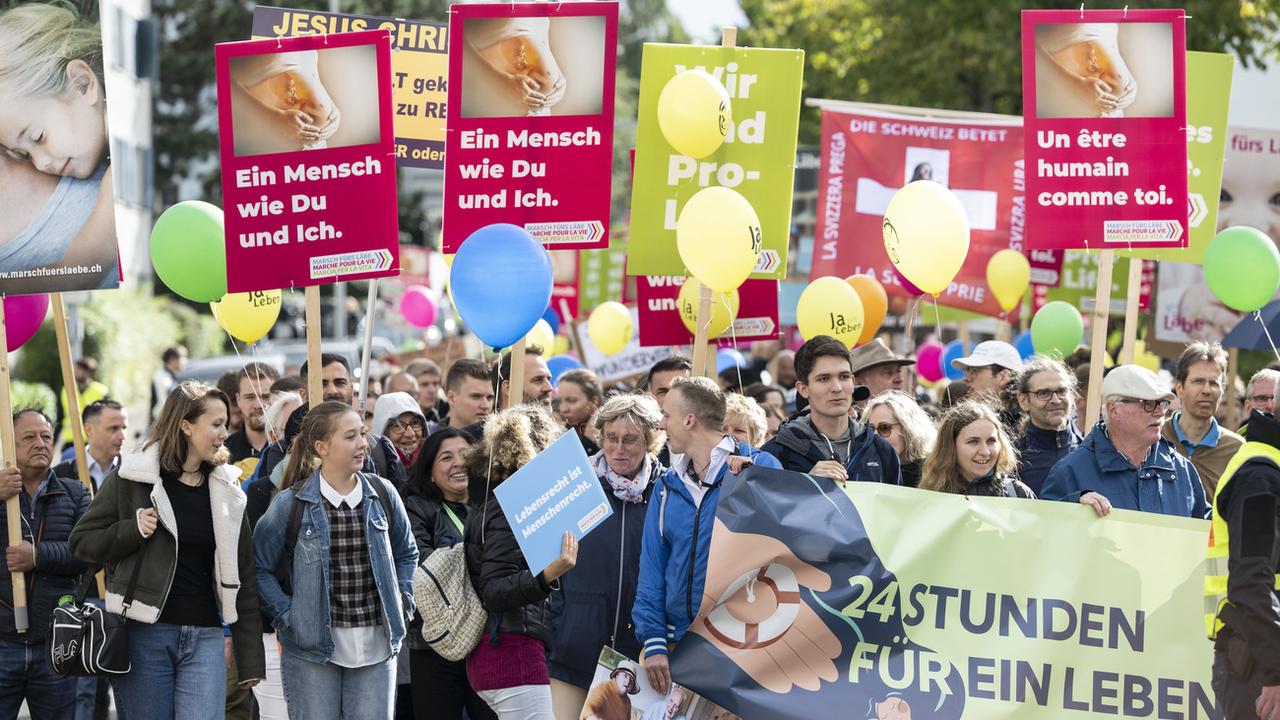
(508, 669)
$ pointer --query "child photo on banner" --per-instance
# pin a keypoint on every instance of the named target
(57, 228)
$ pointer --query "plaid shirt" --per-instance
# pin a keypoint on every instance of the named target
(353, 594)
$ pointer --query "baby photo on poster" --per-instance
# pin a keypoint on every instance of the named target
(1107, 70)
(304, 100)
(57, 214)
(533, 66)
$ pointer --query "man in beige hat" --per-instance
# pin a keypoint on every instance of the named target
(878, 367)
(1124, 463)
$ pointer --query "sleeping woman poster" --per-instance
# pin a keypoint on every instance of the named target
(57, 232)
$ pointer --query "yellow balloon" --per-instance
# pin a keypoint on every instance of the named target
(610, 327)
(560, 346)
(724, 308)
(926, 233)
(830, 306)
(542, 336)
(247, 316)
(718, 237)
(694, 113)
(1008, 274)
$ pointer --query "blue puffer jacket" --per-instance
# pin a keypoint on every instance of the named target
(47, 525)
(1166, 483)
(673, 556)
(593, 606)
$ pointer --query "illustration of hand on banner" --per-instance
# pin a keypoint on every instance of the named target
(756, 616)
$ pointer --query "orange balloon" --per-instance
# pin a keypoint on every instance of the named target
(874, 304)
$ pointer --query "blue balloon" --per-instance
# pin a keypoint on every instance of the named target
(954, 350)
(728, 358)
(553, 319)
(559, 365)
(501, 280)
(1024, 346)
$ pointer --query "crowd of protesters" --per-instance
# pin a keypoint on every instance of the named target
(272, 541)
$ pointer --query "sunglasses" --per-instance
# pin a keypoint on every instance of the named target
(885, 429)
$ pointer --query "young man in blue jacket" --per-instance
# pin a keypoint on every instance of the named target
(827, 442)
(677, 529)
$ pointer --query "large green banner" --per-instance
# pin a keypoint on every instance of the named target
(1208, 98)
(757, 158)
(875, 601)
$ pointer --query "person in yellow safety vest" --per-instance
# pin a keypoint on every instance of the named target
(1242, 607)
(90, 391)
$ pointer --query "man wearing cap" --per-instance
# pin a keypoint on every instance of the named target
(1193, 430)
(877, 367)
(990, 373)
(1124, 463)
(1242, 605)
(825, 441)
(612, 700)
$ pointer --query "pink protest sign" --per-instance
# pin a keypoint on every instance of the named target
(1105, 108)
(660, 322)
(530, 121)
(308, 160)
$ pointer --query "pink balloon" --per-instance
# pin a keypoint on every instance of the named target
(418, 307)
(22, 317)
(908, 286)
(929, 361)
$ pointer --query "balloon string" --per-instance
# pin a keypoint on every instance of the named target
(255, 380)
(937, 321)
(733, 333)
(1258, 314)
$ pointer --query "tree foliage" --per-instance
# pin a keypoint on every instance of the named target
(956, 54)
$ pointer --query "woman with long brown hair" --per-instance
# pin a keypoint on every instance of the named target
(174, 515)
(335, 568)
(973, 455)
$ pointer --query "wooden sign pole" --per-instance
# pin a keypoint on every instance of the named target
(728, 39)
(517, 375)
(315, 379)
(71, 389)
(1098, 345)
(12, 506)
(1132, 296)
(1232, 417)
(366, 349)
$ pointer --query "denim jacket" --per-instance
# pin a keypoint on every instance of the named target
(302, 621)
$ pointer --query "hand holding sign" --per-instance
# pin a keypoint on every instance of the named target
(757, 617)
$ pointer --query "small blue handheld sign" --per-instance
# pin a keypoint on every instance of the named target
(555, 492)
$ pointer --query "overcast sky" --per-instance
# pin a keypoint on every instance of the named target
(704, 18)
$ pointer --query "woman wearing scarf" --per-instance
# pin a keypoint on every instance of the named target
(594, 601)
(398, 417)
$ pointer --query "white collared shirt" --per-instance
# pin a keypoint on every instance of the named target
(97, 473)
(336, 499)
(719, 456)
(358, 646)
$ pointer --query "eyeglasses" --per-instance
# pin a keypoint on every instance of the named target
(1047, 393)
(629, 441)
(1150, 406)
(414, 424)
(885, 429)
(1260, 399)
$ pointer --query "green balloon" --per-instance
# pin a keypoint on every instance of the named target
(1057, 329)
(189, 251)
(1242, 267)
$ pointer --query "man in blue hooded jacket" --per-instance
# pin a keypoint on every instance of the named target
(1124, 463)
(826, 441)
(677, 529)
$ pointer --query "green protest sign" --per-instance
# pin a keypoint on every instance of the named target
(1080, 282)
(600, 273)
(1208, 97)
(757, 158)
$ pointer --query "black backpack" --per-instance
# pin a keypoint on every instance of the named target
(284, 568)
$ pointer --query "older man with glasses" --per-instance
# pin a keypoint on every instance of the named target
(1124, 463)
(1046, 393)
